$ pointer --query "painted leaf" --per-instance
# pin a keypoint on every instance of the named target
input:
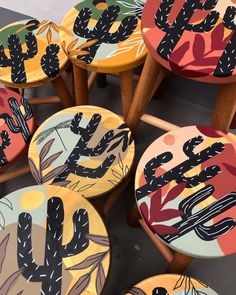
(144, 209)
(88, 261)
(49, 36)
(45, 149)
(113, 182)
(72, 44)
(87, 44)
(9, 283)
(100, 240)
(42, 29)
(179, 53)
(20, 293)
(230, 168)
(211, 132)
(35, 172)
(100, 279)
(116, 174)
(162, 229)
(198, 47)
(136, 291)
(6, 202)
(64, 124)
(62, 183)
(54, 173)
(206, 61)
(3, 250)
(55, 27)
(120, 162)
(81, 285)
(174, 193)
(179, 283)
(2, 221)
(167, 214)
(85, 187)
(115, 145)
(48, 162)
(217, 37)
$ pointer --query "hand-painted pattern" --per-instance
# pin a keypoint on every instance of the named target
(104, 30)
(27, 55)
(179, 192)
(16, 125)
(98, 158)
(195, 39)
(169, 284)
(67, 243)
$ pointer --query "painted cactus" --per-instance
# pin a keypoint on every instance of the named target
(17, 56)
(175, 30)
(19, 123)
(81, 149)
(5, 142)
(192, 220)
(101, 30)
(50, 62)
(50, 274)
(227, 62)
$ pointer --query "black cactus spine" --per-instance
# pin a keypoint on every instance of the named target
(6, 141)
(175, 31)
(227, 62)
(50, 273)
(50, 62)
(101, 30)
(17, 56)
(19, 123)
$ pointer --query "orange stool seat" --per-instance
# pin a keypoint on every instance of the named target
(185, 190)
(16, 126)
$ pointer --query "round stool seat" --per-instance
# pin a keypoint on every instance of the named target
(87, 149)
(52, 242)
(170, 284)
(185, 190)
(195, 39)
(16, 126)
(104, 36)
(30, 53)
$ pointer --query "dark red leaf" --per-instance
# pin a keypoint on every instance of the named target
(198, 47)
(217, 37)
(155, 206)
(226, 40)
(179, 53)
(168, 214)
(207, 61)
(1, 102)
(144, 209)
(211, 132)
(164, 229)
(231, 169)
(174, 192)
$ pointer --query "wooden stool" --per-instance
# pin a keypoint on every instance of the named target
(30, 56)
(194, 39)
(185, 192)
(16, 127)
(105, 38)
(170, 284)
(52, 242)
(88, 149)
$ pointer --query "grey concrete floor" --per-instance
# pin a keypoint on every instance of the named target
(134, 257)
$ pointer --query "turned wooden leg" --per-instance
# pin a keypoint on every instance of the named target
(152, 75)
(101, 80)
(70, 79)
(225, 106)
(127, 91)
(98, 205)
(62, 91)
(179, 263)
(81, 85)
(134, 216)
(233, 123)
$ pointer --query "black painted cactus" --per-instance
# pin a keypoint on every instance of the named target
(50, 62)
(50, 273)
(227, 62)
(101, 30)
(17, 56)
(196, 220)
(177, 173)
(82, 149)
(19, 123)
(175, 30)
(5, 142)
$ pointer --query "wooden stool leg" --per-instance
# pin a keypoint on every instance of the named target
(179, 263)
(62, 92)
(225, 106)
(127, 92)
(70, 79)
(133, 217)
(148, 79)
(81, 85)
